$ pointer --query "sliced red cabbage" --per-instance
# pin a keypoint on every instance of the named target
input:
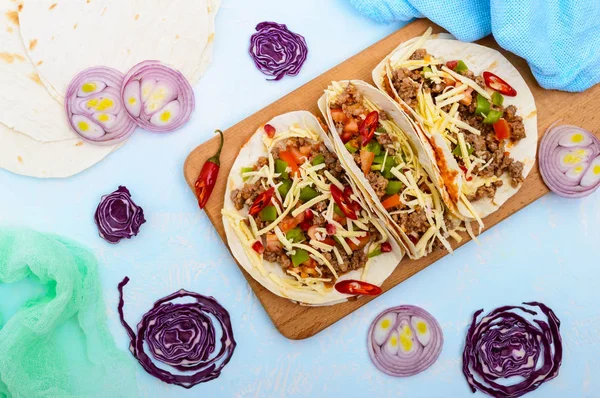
(94, 107)
(512, 350)
(182, 336)
(156, 97)
(118, 217)
(277, 51)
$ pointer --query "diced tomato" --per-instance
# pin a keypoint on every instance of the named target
(305, 225)
(496, 83)
(386, 247)
(346, 137)
(298, 156)
(258, 247)
(366, 160)
(338, 218)
(363, 240)
(338, 115)
(350, 286)
(308, 215)
(502, 129)
(310, 263)
(273, 243)
(270, 130)
(392, 201)
(329, 241)
(413, 239)
(290, 160)
(351, 126)
(290, 222)
(261, 201)
(449, 82)
(452, 64)
(330, 229)
(468, 98)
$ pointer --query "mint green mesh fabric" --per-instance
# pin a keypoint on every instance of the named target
(57, 344)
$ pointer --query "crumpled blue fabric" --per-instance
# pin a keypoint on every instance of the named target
(560, 39)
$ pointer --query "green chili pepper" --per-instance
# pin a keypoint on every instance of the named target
(483, 105)
(393, 187)
(492, 117)
(317, 160)
(284, 188)
(280, 167)
(307, 193)
(300, 257)
(268, 213)
(497, 98)
(373, 146)
(295, 235)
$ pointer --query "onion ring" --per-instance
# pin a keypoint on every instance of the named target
(569, 159)
(404, 341)
(504, 343)
(94, 108)
(181, 335)
(156, 97)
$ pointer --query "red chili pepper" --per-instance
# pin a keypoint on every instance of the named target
(261, 201)
(344, 203)
(350, 286)
(258, 247)
(348, 190)
(270, 130)
(464, 170)
(308, 215)
(413, 239)
(208, 176)
(386, 247)
(368, 126)
(496, 83)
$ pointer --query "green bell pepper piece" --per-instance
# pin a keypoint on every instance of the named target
(351, 146)
(483, 105)
(497, 98)
(295, 235)
(284, 188)
(246, 170)
(461, 67)
(373, 146)
(393, 187)
(317, 160)
(280, 167)
(427, 69)
(307, 193)
(492, 117)
(300, 257)
(268, 213)
(389, 164)
(374, 253)
(379, 159)
(458, 153)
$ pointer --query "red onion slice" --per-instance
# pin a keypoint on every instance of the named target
(94, 108)
(404, 341)
(158, 98)
(569, 159)
(512, 350)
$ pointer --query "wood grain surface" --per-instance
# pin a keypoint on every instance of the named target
(299, 322)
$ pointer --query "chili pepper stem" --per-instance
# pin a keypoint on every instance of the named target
(216, 159)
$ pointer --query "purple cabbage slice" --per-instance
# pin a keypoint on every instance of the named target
(118, 217)
(277, 51)
(508, 355)
(182, 336)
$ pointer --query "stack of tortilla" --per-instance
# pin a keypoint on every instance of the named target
(45, 43)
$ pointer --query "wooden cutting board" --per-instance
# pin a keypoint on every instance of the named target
(299, 322)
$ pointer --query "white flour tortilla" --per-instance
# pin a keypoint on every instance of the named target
(380, 267)
(478, 59)
(71, 36)
(35, 139)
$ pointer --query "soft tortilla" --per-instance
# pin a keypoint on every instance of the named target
(72, 36)
(35, 139)
(479, 59)
(380, 267)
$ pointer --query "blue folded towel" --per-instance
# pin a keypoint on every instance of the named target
(560, 39)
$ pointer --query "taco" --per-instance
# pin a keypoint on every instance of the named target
(295, 219)
(382, 149)
(474, 108)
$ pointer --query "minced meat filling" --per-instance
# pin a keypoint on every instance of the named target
(485, 146)
(273, 249)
